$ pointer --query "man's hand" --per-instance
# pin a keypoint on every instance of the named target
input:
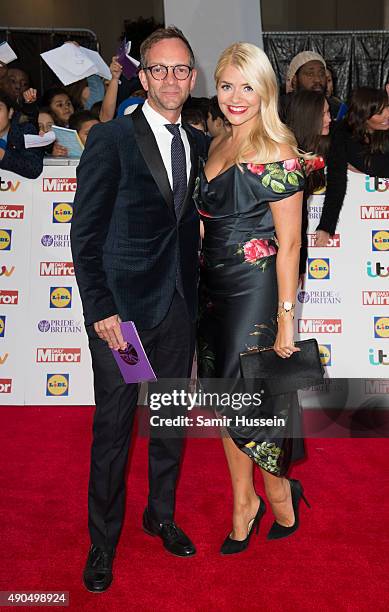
(322, 238)
(109, 331)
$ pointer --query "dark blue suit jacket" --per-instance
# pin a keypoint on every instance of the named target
(126, 240)
(18, 159)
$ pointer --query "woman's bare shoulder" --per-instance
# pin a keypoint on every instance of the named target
(286, 152)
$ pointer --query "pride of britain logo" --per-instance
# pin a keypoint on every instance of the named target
(129, 355)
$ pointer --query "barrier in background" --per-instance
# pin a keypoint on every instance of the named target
(44, 357)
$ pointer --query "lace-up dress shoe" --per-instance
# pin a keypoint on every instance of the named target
(174, 539)
(98, 570)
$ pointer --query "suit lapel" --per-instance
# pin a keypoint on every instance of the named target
(150, 152)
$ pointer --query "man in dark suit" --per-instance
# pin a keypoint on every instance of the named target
(134, 240)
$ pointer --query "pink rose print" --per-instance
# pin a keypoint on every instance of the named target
(291, 164)
(256, 249)
(256, 168)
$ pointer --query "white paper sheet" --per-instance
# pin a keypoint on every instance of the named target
(34, 140)
(72, 63)
(7, 54)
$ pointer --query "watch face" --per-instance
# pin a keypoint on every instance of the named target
(288, 306)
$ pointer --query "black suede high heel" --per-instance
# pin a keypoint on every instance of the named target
(230, 546)
(278, 531)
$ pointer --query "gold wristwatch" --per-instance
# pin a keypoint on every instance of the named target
(284, 308)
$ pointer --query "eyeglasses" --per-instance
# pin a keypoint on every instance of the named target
(159, 72)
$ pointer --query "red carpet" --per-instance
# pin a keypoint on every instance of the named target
(338, 560)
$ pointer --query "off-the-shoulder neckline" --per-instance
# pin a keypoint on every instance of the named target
(279, 161)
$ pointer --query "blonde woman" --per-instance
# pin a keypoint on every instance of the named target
(249, 197)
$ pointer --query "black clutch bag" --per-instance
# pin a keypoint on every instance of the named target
(276, 375)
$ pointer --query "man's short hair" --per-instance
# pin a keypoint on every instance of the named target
(164, 34)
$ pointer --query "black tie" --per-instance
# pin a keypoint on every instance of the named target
(178, 167)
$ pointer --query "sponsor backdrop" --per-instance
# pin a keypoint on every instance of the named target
(44, 357)
(44, 352)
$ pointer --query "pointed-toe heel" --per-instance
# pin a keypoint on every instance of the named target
(232, 547)
(278, 531)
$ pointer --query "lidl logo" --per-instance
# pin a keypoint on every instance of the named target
(57, 384)
(381, 327)
(2, 326)
(380, 240)
(60, 297)
(318, 269)
(62, 212)
(5, 239)
(325, 352)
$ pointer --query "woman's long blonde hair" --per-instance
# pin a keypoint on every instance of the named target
(269, 130)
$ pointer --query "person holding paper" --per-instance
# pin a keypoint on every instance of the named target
(14, 157)
(135, 236)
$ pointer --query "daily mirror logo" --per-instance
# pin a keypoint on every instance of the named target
(60, 184)
(320, 326)
(375, 213)
(333, 242)
(56, 268)
(11, 211)
(5, 385)
(375, 298)
(58, 355)
(9, 297)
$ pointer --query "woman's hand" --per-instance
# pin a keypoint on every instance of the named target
(322, 238)
(284, 344)
(29, 96)
(59, 150)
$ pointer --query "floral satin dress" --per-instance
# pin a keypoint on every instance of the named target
(239, 298)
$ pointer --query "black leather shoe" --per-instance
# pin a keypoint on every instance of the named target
(174, 539)
(98, 569)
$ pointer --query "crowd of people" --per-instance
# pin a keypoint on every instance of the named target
(342, 135)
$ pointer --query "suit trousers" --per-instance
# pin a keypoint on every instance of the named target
(170, 349)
